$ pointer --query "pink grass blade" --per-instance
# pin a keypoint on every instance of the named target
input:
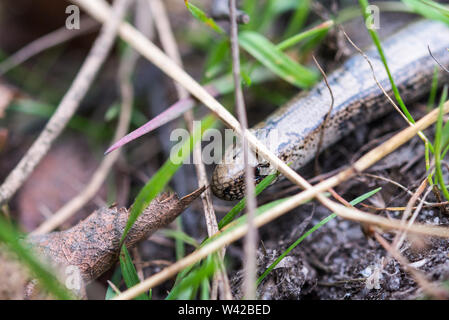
(168, 115)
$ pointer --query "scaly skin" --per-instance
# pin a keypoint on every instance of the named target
(358, 100)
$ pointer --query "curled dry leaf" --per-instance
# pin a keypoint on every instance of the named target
(92, 246)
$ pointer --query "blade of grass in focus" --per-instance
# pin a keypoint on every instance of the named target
(438, 146)
(129, 272)
(364, 7)
(182, 236)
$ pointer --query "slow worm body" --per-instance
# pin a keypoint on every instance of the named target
(293, 131)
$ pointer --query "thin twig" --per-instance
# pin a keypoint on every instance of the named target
(46, 42)
(138, 263)
(326, 120)
(220, 11)
(170, 46)
(250, 246)
(114, 287)
(68, 105)
(397, 184)
(438, 62)
(374, 75)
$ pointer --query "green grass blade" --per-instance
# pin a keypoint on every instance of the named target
(201, 16)
(129, 272)
(216, 60)
(275, 60)
(314, 228)
(10, 237)
(318, 31)
(433, 90)
(194, 279)
(299, 18)
(268, 14)
(182, 236)
(364, 5)
(205, 289)
(438, 146)
(429, 9)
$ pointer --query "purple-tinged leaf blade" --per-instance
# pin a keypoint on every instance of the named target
(168, 115)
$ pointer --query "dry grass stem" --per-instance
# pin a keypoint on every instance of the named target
(250, 247)
(168, 41)
(46, 42)
(397, 184)
(397, 242)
